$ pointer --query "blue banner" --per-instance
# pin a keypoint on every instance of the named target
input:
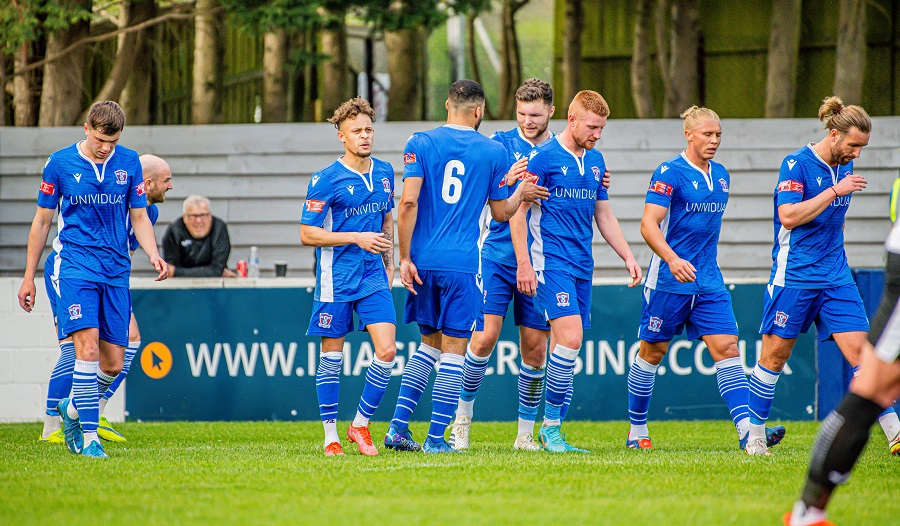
(243, 354)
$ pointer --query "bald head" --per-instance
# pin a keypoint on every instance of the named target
(157, 178)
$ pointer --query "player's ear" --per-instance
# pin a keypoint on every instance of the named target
(552, 110)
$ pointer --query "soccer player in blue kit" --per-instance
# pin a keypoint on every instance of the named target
(499, 266)
(157, 181)
(560, 246)
(347, 217)
(95, 184)
(810, 279)
(684, 286)
(450, 173)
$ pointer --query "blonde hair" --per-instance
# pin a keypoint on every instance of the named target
(590, 101)
(350, 109)
(693, 115)
(838, 117)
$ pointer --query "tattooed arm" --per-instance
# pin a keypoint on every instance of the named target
(388, 255)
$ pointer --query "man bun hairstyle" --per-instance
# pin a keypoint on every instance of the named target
(838, 117)
(693, 115)
(350, 109)
(590, 101)
(534, 90)
(107, 117)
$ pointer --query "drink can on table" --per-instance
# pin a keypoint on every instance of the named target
(242, 269)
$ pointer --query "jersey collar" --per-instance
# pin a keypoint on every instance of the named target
(706, 176)
(832, 171)
(579, 161)
(459, 127)
(101, 174)
(367, 178)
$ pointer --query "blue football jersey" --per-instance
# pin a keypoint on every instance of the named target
(461, 170)
(810, 256)
(93, 202)
(695, 201)
(560, 228)
(497, 243)
(340, 199)
(153, 214)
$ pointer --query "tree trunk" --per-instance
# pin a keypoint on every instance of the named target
(850, 65)
(24, 110)
(685, 49)
(661, 27)
(571, 66)
(511, 63)
(135, 98)
(334, 71)
(133, 12)
(640, 61)
(406, 61)
(274, 100)
(784, 53)
(208, 57)
(63, 84)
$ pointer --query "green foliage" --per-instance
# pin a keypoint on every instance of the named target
(25, 21)
(275, 473)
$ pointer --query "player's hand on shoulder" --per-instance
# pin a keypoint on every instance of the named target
(532, 192)
(606, 180)
(408, 274)
(851, 183)
(682, 270)
(27, 295)
(374, 242)
(517, 171)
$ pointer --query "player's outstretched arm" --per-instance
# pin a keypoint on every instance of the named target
(612, 233)
(526, 192)
(526, 279)
(143, 231)
(795, 214)
(37, 239)
(654, 214)
(407, 214)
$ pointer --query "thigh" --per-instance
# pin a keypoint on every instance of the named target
(331, 320)
(525, 314)
(377, 307)
(499, 284)
(424, 307)
(842, 310)
(662, 315)
(712, 314)
(557, 295)
(78, 307)
(788, 312)
(459, 300)
(115, 314)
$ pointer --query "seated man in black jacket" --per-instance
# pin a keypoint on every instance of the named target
(197, 244)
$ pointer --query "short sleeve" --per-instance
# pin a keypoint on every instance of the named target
(138, 195)
(791, 182)
(387, 183)
(49, 193)
(662, 186)
(597, 172)
(412, 157)
(319, 196)
(499, 189)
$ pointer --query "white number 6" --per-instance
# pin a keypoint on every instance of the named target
(451, 190)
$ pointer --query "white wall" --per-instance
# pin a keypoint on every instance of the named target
(28, 352)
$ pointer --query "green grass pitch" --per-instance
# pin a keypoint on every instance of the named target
(275, 473)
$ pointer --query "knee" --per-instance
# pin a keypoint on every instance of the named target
(386, 354)
(134, 335)
(534, 355)
(112, 370)
(571, 341)
(730, 351)
(482, 343)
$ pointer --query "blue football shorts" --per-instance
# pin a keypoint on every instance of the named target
(499, 285)
(788, 312)
(335, 319)
(562, 294)
(447, 301)
(665, 315)
(90, 305)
